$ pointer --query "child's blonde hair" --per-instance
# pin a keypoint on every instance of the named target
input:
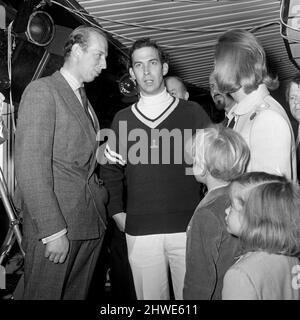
(221, 151)
(271, 213)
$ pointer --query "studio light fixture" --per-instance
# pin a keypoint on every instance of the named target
(33, 24)
(290, 28)
(40, 28)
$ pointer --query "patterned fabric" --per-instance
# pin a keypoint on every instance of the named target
(84, 100)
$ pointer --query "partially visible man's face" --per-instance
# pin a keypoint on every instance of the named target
(176, 88)
(92, 60)
(148, 71)
(294, 101)
(217, 97)
(221, 101)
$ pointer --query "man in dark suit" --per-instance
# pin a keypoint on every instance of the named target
(61, 197)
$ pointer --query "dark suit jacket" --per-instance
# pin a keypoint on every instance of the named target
(55, 163)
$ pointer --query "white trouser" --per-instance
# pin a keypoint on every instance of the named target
(150, 257)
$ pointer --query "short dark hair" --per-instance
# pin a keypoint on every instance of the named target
(147, 42)
(80, 35)
(295, 79)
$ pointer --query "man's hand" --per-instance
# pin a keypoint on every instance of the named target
(120, 219)
(57, 250)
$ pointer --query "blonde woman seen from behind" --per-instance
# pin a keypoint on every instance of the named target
(241, 71)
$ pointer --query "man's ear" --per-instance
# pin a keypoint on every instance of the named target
(186, 95)
(76, 50)
(165, 68)
(131, 73)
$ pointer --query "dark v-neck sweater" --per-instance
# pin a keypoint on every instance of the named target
(153, 187)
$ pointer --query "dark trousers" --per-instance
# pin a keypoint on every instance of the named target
(113, 259)
(120, 272)
(45, 280)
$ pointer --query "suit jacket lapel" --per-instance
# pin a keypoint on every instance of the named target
(74, 106)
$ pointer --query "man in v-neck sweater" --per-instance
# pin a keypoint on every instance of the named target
(150, 169)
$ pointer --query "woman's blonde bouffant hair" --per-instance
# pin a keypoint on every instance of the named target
(240, 62)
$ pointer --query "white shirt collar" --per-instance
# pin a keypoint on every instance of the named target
(230, 114)
(72, 81)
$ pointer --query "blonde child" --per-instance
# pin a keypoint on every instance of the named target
(219, 155)
(265, 215)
